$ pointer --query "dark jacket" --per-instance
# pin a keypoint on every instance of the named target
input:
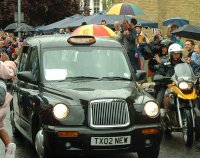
(128, 41)
(167, 69)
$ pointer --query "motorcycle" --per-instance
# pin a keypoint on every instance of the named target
(180, 102)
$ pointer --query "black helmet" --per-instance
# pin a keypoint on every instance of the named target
(166, 43)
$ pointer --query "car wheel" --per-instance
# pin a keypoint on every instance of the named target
(15, 131)
(41, 149)
(152, 153)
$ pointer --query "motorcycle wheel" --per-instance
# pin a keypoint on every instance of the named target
(188, 129)
(197, 128)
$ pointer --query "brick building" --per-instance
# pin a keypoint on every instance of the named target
(159, 10)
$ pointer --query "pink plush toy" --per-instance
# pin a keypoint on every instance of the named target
(7, 71)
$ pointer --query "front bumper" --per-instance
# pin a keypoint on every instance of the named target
(82, 143)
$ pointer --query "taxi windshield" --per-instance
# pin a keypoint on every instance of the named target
(88, 62)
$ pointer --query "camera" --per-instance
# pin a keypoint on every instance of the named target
(151, 49)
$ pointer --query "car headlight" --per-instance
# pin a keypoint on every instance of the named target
(151, 108)
(185, 85)
(60, 111)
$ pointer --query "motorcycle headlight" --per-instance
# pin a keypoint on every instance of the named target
(185, 85)
(60, 111)
(152, 109)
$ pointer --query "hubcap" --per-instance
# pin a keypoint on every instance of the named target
(39, 139)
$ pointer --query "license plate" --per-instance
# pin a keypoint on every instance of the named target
(110, 141)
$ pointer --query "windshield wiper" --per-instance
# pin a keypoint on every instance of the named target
(80, 78)
(117, 78)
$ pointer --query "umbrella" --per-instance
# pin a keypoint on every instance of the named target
(71, 19)
(62, 23)
(125, 9)
(25, 28)
(110, 20)
(93, 29)
(188, 31)
(176, 21)
(12, 27)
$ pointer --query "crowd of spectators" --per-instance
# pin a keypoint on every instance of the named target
(9, 46)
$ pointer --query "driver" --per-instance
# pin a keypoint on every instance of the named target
(167, 69)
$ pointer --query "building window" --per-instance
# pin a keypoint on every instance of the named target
(96, 9)
(87, 2)
(96, 6)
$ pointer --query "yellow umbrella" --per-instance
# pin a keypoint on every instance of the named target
(94, 30)
(125, 9)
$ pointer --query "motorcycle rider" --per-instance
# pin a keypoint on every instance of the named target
(167, 69)
(160, 58)
(164, 56)
(161, 55)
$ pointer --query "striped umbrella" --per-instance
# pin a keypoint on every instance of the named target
(125, 9)
(94, 29)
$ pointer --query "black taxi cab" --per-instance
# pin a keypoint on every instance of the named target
(79, 94)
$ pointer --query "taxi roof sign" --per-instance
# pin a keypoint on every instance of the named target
(81, 40)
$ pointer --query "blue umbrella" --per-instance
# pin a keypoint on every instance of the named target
(188, 31)
(110, 19)
(176, 21)
(61, 24)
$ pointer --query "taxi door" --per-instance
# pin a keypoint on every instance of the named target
(27, 90)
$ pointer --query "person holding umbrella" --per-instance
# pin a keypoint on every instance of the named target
(174, 38)
(141, 42)
(171, 28)
(127, 38)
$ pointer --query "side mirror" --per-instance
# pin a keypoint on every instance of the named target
(27, 76)
(141, 75)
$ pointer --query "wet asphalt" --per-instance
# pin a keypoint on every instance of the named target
(171, 147)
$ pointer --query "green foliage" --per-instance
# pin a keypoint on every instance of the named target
(46, 12)
(38, 12)
(107, 4)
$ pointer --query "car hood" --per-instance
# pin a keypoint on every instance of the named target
(94, 89)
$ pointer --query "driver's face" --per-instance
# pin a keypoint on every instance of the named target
(176, 56)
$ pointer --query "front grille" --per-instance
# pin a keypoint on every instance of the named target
(109, 113)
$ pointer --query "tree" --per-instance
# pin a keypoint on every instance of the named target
(49, 11)
(38, 12)
(107, 4)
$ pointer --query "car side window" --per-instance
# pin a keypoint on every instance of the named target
(32, 63)
(23, 59)
(29, 61)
